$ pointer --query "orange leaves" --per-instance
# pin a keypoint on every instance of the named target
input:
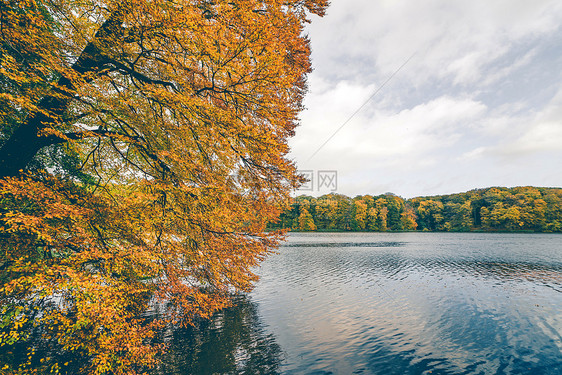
(163, 127)
(91, 262)
(55, 257)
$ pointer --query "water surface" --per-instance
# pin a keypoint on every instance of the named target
(400, 303)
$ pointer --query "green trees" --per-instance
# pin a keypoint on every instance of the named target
(492, 209)
(430, 214)
(305, 221)
(359, 215)
(408, 218)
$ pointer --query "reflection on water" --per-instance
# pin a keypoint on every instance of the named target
(232, 342)
(434, 303)
(381, 303)
(390, 303)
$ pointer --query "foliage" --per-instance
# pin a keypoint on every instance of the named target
(305, 222)
(492, 209)
(142, 152)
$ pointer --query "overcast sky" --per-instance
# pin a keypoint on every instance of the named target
(478, 102)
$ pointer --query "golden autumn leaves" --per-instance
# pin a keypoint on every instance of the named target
(143, 152)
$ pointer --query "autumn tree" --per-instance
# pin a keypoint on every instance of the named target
(305, 221)
(430, 214)
(372, 219)
(383, 219)
(142, 152)
(326, 213)
(459, 215)
(492, 209)
(395, 206)
(359, 215)
(382, 214)
(553, 214)
(485, 220)
(408, 219)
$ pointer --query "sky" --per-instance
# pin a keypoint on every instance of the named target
(432, 97)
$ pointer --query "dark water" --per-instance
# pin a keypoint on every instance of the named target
(233, 342)
(405, 303)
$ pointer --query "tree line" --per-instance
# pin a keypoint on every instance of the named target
(528, 208)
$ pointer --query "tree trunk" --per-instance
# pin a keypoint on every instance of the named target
(25, 142)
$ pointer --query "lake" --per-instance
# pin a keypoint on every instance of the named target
(390, 303)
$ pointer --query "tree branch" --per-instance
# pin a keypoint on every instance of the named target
(65, 137)
(25, 141)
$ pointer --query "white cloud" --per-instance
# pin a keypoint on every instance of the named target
(542, 134)
(502, 73)
(375, 132)
(512, 136)
(419, 130)
(456, 39)
(473, 154)
(478, 105)
(540, 137)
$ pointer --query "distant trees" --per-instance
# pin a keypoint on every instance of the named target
(430, 213)
(491, 209)
(408, 219)
(305, 221)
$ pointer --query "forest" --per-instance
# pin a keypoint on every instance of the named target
(530, 209)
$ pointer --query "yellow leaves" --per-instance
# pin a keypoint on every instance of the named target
(10, 70)
(167, 107)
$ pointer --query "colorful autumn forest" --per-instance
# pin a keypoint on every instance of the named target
(492, 209)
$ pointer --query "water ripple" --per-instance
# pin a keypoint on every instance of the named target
(344, 244)
(415, 303)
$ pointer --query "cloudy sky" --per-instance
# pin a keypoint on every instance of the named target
(471, 96)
